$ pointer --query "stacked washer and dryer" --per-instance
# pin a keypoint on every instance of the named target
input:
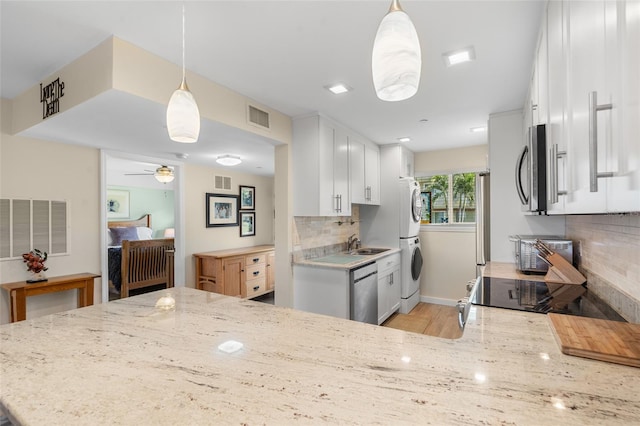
(410, 212)
(396, 223)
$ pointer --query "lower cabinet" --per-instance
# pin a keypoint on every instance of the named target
(388, 286)
(246, 272)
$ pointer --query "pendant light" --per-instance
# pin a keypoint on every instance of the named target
(396, 59)
(183, 116)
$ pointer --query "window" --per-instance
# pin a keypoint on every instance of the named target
(449, 198)
(29, 224)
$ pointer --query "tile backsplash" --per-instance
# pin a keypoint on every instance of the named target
(609, 248)
(319, 236)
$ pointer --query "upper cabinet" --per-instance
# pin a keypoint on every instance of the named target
(364, 160)
(585, 88)
(321, 183)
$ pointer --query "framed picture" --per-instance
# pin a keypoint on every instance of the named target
(222, 210)
(117, 204)
(426, 207)
(247, 197)
(247, 224)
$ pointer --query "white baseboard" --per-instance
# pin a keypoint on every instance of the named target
(438, 301)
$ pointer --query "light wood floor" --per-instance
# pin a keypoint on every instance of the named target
(430, 319)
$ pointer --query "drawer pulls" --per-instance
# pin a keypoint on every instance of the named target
(256, 273)
(256, 259)
(256, 288)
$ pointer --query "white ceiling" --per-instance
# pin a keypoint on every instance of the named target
(281, 54)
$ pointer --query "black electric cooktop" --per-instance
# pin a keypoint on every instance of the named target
(534, 296)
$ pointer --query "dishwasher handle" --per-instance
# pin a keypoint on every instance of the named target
(356, 280)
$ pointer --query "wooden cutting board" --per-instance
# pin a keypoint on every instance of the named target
(604, 340)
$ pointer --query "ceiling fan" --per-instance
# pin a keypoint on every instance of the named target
(162, 174)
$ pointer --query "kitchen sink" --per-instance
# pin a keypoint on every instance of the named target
(369, 251)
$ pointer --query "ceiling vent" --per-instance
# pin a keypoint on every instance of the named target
(222, 183)
(258, 117)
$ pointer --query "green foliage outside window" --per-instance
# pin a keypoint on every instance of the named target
(452, 197)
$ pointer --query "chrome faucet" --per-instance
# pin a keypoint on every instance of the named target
(353, 239)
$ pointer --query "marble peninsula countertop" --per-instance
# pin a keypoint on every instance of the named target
(130, 363)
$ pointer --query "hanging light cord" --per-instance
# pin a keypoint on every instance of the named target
(183, 46)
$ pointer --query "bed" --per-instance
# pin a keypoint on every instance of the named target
(136, 260)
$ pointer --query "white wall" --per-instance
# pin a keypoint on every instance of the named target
(506, 138)
(198, 238)
(38, 169)
(471, 158)
(449, 262)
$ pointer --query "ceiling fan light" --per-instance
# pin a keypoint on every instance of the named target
(396, 59)
(183, 116)
(228, 160)
(164, 174)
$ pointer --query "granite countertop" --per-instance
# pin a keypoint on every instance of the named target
(342, 260)
(127, 362)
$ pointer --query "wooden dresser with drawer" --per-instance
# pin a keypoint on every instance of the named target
(244, 272)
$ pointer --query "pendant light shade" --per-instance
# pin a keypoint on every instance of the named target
(183, 115)
(396, 59)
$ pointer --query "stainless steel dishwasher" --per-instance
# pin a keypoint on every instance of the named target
(363, 283)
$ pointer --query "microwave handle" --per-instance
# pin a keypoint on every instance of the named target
(523, 198)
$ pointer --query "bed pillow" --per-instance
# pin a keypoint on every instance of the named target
(124, 233)
(109, 237)
(144, 233)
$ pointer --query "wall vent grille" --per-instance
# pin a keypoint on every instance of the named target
(259, 117)
(222, 183)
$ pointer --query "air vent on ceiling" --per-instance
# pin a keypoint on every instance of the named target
(258, 117)
(222, 183)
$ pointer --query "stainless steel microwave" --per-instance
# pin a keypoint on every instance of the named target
(531, 171)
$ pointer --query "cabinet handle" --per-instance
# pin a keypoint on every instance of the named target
(255, 259)
(256, 288)
(256, 273)
(367, 193)
(594, 108)
(555, 156)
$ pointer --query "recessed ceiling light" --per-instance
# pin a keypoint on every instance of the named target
(459, 56)
(478, 129)
(337, 89)
(228, 160)
(405, 139)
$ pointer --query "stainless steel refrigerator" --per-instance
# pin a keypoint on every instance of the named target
(483, 254)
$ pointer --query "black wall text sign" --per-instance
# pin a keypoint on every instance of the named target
(50, 97)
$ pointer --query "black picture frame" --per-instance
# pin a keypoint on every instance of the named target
(247, 197)
(221, 210)
(247, 224)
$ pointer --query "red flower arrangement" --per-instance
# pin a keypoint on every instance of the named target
(35, 261)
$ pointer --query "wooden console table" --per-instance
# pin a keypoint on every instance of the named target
(19, 291)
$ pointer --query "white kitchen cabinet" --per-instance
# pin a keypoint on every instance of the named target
(623, 190)
(372, 174)
(594, 90)
(322, 291)
(406, 163)
(585, 87)
(389, 292)
(364, 161)
(321, 184)
(556, 108)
